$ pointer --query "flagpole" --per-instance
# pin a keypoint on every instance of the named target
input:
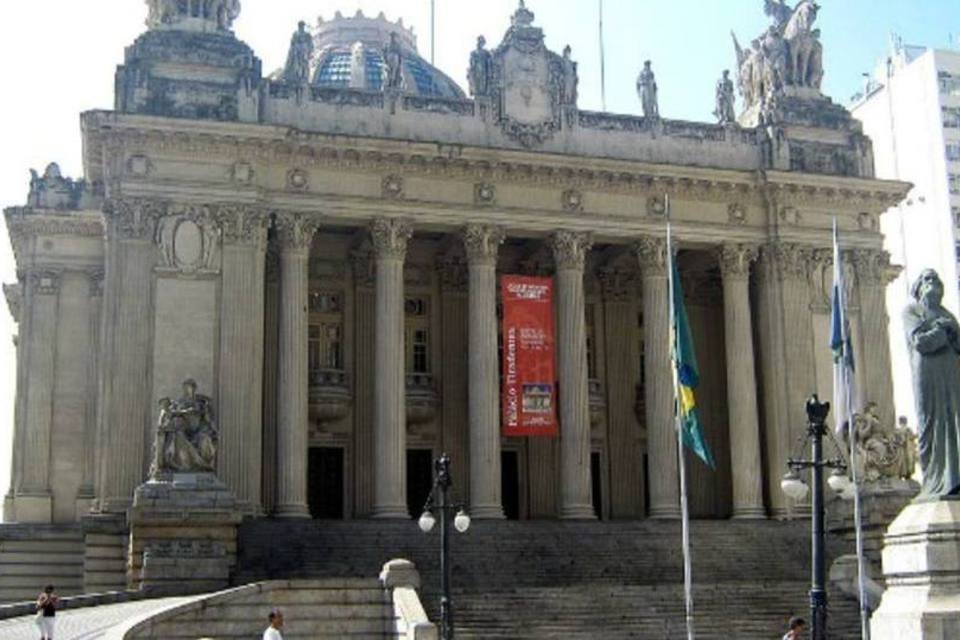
(681, 462)
(852, 438)
(603, 66)
(433, 31)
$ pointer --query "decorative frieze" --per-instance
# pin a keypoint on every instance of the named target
(656, 206)
(390, 236)
(570, 249)
(482, 243)
(652, 255)
(735, 260)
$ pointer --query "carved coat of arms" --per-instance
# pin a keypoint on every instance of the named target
(527, 81)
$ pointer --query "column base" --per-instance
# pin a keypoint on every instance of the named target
(754, 513)
(665, 513)
(578, 512)
(33, 508)
(487, 512)
(289, 511)
(390, 512)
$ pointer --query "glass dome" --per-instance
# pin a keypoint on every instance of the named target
(349, 54)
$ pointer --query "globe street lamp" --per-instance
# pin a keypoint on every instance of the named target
(794, 487)
(438, 501)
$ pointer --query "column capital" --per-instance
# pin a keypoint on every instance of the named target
(389, 237)
(133, 218)
(617, 284)
(570, 248)
(735, 260)
(44, 280)
(482, 243)
(243, 224)
(873, 267)
(295, 231)
(652, 255)
(790, 259)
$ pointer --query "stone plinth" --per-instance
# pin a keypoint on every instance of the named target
(880, 503)
(921, 562)
(183, 534)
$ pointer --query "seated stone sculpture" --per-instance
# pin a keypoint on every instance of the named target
(883, 452)
(186, 440)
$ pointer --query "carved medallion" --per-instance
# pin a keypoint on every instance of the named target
(737, 213)
(656, 206)
(484, 193)
(298, 180)
(572, 200)
(392, 186)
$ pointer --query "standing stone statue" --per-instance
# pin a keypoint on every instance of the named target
(647, 90)
(186, 439)
(570, 79)
(933, 339)
(481, 64)
(725, 110)
(297, 69)
(393, 64)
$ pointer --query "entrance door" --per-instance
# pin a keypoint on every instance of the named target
(325, 482)
(419, 479)
(595, 478)
(510, 484)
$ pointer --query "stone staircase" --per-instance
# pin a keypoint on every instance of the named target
(32, 556)
(547, 579)
(323, 609)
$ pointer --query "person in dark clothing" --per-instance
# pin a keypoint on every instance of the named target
(47, 603)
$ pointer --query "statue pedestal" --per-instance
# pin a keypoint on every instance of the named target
(921, 564)
(183, 534)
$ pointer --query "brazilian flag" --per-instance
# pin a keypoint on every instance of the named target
(688, 376)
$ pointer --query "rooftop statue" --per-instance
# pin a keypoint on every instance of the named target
(570, 79)
(933, 340)
(788, 55)
(725, 110)
(393, 64)
(171, 12)
(481, 63)
(186, 439)
(52, 190)
(297, 69)
(647, 90)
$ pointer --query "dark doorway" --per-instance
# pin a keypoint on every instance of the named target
(325, 478)
(510, 484)
(419, 479)
(595, 484)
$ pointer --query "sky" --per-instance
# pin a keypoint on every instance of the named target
(57, 59)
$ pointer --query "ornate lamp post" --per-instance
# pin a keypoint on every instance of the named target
(796, 488)
(439, 501)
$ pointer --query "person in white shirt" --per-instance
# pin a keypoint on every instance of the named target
(276, 623)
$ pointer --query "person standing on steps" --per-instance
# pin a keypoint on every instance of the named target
(797, 628)
(276, 624)
(47, 603)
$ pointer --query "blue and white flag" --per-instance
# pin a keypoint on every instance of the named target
(845, 401)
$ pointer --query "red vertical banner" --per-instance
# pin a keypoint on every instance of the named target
(529, 374)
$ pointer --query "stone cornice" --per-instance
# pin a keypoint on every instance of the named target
(24, 223)
(14, 295)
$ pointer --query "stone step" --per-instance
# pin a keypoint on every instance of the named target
(298, 597)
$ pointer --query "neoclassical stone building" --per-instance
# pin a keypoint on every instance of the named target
(320, 248)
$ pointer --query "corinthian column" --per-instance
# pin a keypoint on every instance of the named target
(390, 238)
(124, 408)
(873, 275)
(658, 377)
(482, 244)
(569, 253)
(34, 502)
(745, 458)
(294, 235)
(241, 353)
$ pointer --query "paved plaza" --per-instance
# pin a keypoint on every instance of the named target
(86, 623)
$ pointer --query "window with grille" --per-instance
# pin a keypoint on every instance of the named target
(325, 332)
(951, 117)
(954, 183)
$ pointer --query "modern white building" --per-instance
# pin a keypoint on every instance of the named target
(910, 108)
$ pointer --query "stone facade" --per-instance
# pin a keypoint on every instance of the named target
(324, 258)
